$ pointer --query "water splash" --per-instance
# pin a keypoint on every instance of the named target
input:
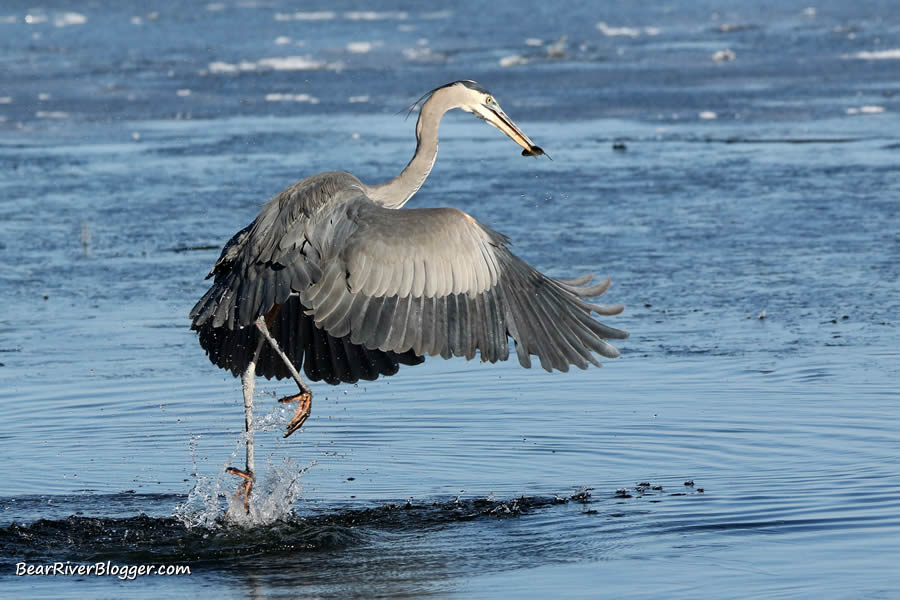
(203, 507)
(213, 502)
(271, 499)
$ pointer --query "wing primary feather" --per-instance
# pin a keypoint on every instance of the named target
(604, 331)
(565, 312)
(472, 334)
(606, 310)
(577, 281)
(428, 340)
(558, 353)
(366, 334)
(383, 328)
(568, 326)
(543, 347)
(598, 289)
(359, 314)
(398, 325)
(442, 326)
(494, 327)
(483, 319)
(516, 324)
(413, 336)
(500, 326)
(455, 324)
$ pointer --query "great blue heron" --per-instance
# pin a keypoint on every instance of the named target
(331, 277)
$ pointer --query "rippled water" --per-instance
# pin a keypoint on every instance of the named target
(750, 224)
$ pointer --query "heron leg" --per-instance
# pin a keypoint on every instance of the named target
(248, 383)
(304, 398)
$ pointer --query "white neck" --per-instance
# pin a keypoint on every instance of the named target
(396, 192)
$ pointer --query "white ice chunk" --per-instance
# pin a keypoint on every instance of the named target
(222, 67)
(878, 54)
(292, 98)
(69, 18)
(318, 15)
(513, 60)
(51, 114)
(865, 110)
(291, 63)
(617, 31)
(371, 15)
(359, 47)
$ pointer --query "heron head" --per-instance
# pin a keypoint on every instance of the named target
(473, 98)
(481, 103)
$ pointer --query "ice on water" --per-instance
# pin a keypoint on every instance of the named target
(278, 63)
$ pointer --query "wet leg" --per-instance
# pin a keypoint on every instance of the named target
(248, 383)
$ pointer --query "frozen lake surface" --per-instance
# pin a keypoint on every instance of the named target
(751, 226)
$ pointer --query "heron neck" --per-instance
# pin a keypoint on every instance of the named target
(396, 192)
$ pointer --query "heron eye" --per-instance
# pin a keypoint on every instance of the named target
(489, 100)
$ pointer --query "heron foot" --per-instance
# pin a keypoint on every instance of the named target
(243, 490)
(304, 404)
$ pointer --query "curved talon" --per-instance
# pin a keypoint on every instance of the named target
(243, 489)
(304, 403)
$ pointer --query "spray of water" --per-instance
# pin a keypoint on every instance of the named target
(212, 502)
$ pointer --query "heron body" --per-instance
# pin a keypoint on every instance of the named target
(267, 265)
(335, 278)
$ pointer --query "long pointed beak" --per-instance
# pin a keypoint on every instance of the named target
(496, 117)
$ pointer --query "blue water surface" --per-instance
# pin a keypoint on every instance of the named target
(732, 166)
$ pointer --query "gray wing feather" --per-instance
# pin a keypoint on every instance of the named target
(364, 289)
(438, 261)
(273, 257)
(436, 282)
(268, 263)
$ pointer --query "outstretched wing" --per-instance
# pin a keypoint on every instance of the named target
(436, 282)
